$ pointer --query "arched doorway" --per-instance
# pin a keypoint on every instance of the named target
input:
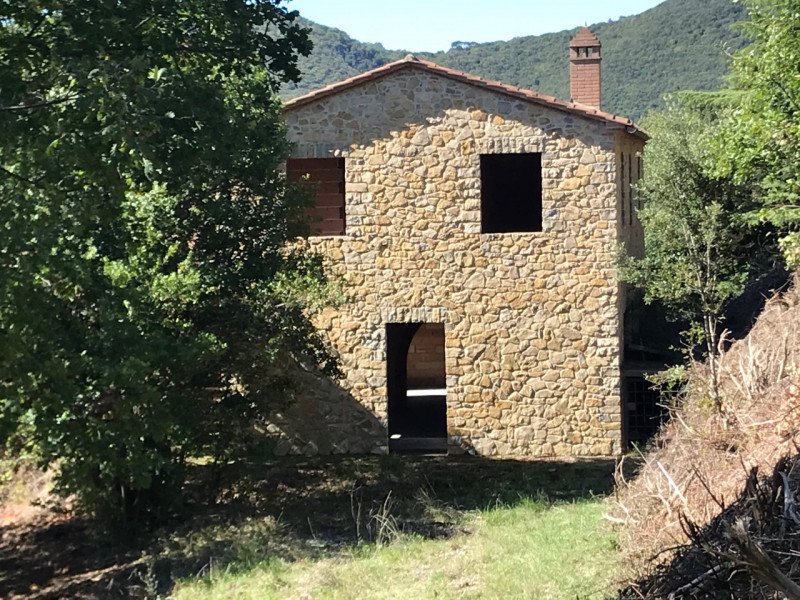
(416, 385)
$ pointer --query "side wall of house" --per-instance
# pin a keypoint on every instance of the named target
(531, 319)
(630, 168)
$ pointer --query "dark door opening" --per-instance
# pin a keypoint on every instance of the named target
(416, 387)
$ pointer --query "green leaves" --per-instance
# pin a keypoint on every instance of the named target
(699, 251)
(761, 144)
(156, 73)
(143, 279)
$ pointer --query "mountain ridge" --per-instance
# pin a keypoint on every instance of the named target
(676, 45)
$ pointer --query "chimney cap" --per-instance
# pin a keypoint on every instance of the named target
(584, 38)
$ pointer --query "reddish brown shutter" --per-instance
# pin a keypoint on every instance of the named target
(326, 178)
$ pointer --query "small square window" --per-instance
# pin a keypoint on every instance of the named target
(325, 176)
(511, 192)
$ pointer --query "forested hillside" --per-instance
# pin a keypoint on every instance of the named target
(679, 44)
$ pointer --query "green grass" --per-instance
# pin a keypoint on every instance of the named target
(342, 527)
(531, 550)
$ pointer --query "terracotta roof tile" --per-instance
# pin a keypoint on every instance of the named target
(411, 61)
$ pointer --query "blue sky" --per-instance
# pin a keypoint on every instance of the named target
(430, 25)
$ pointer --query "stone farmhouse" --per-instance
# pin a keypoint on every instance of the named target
(476, 227)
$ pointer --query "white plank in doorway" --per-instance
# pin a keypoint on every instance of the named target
(427, 392)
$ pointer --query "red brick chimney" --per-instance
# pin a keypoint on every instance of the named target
(584, 68)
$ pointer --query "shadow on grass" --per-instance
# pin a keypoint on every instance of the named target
(282, 509)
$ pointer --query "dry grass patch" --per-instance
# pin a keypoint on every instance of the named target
(701, 463)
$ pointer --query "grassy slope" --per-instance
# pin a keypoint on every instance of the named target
(533, 550)
(679, 44)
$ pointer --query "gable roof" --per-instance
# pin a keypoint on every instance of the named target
(413, 62)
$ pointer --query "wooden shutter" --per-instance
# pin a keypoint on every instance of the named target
(326, 178)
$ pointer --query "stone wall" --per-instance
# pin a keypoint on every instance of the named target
(532, 320)
(324, 418)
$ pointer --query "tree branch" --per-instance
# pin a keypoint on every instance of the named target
(760, 565)
(33, 30)
(60, 100)
(18, 177)
(786, 93)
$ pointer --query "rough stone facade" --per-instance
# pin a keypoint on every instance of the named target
(532, 320)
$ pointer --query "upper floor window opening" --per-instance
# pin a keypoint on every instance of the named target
(511, 192)
(325, 176)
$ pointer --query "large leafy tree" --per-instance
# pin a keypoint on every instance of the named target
(761, 143)
(699, 253)
(149, 306)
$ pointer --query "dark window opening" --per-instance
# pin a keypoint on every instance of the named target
(511, 193)
(623, 186)
(629, 184)
(325, 176)
(416, 387)
(639, 175)
(645, 410)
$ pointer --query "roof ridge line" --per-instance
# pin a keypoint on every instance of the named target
(411, 60)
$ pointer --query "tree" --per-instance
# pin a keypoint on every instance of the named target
(761, 144)
(459, 45)
(149, 304)
(698, 252)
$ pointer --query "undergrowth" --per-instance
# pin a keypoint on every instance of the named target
(710, 458)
